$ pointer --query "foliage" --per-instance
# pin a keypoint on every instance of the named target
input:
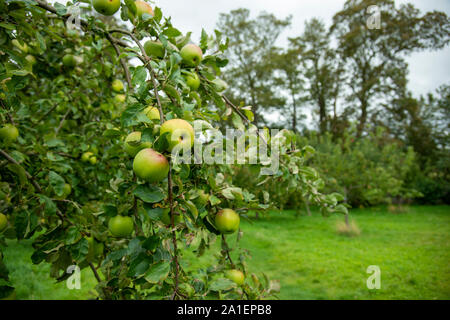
(72, 128)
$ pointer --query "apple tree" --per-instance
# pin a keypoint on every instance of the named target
(90, 117)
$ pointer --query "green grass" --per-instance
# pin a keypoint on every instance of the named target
(309, 258)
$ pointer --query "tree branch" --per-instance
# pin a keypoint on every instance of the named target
(122, 60)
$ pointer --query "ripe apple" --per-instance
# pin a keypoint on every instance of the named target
(9, 133)
(150, 165)
(193, 81)
(24, 48)
(180, 133)
(86, 156)
(133, 143)
(236, 276)
(219, 85)
(154, 48)
(121, 226)
(166, 218)
(69, 61)
(192, 55)
(120, 98)
(106, 7)
(152, 113)
(143, 7)
(117, 85)
(227, 221)
(3, 222)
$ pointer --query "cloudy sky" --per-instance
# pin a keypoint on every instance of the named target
(428, 70)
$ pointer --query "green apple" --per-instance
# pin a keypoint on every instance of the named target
(93, 160)
(3, 222)
(69, 61)
(150, 165)
(67, 190)
(30, 59)
(120, 98)
(133, 143)
(9, 133)
(86, 156)
(180, 134)
(152, 113)
(106, 7)
(193, 81)
(227, 221)
(24, 48)
(219, 85)
(192, 55)
(166, 218)
(236, 276)
(143, 7)
(154, 48)
(121, 226)
(117, 85)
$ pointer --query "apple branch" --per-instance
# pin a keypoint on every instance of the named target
(227, 251)
(122, 60)
(29, 176)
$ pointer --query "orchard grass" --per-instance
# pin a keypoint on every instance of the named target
(307, 255)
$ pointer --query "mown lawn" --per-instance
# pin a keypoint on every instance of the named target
(309, 258)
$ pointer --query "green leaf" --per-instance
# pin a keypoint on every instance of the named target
(158, 272)
(221, 284)
(149, 193)
(49, 205)
(171, 32)
(57, 182)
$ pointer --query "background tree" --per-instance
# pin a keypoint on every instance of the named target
(374, 58)
(251, 43)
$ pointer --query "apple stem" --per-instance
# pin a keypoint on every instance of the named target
(227, 251)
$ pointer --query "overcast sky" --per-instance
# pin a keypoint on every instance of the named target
(428, 70)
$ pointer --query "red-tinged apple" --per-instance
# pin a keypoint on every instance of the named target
(191, 54)
(106, 7)
(9, 133)
(143, 7)
(236, 276)
(227, 221)
(150, 165)
(180, 134)
(133, 143)
(120, 226)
